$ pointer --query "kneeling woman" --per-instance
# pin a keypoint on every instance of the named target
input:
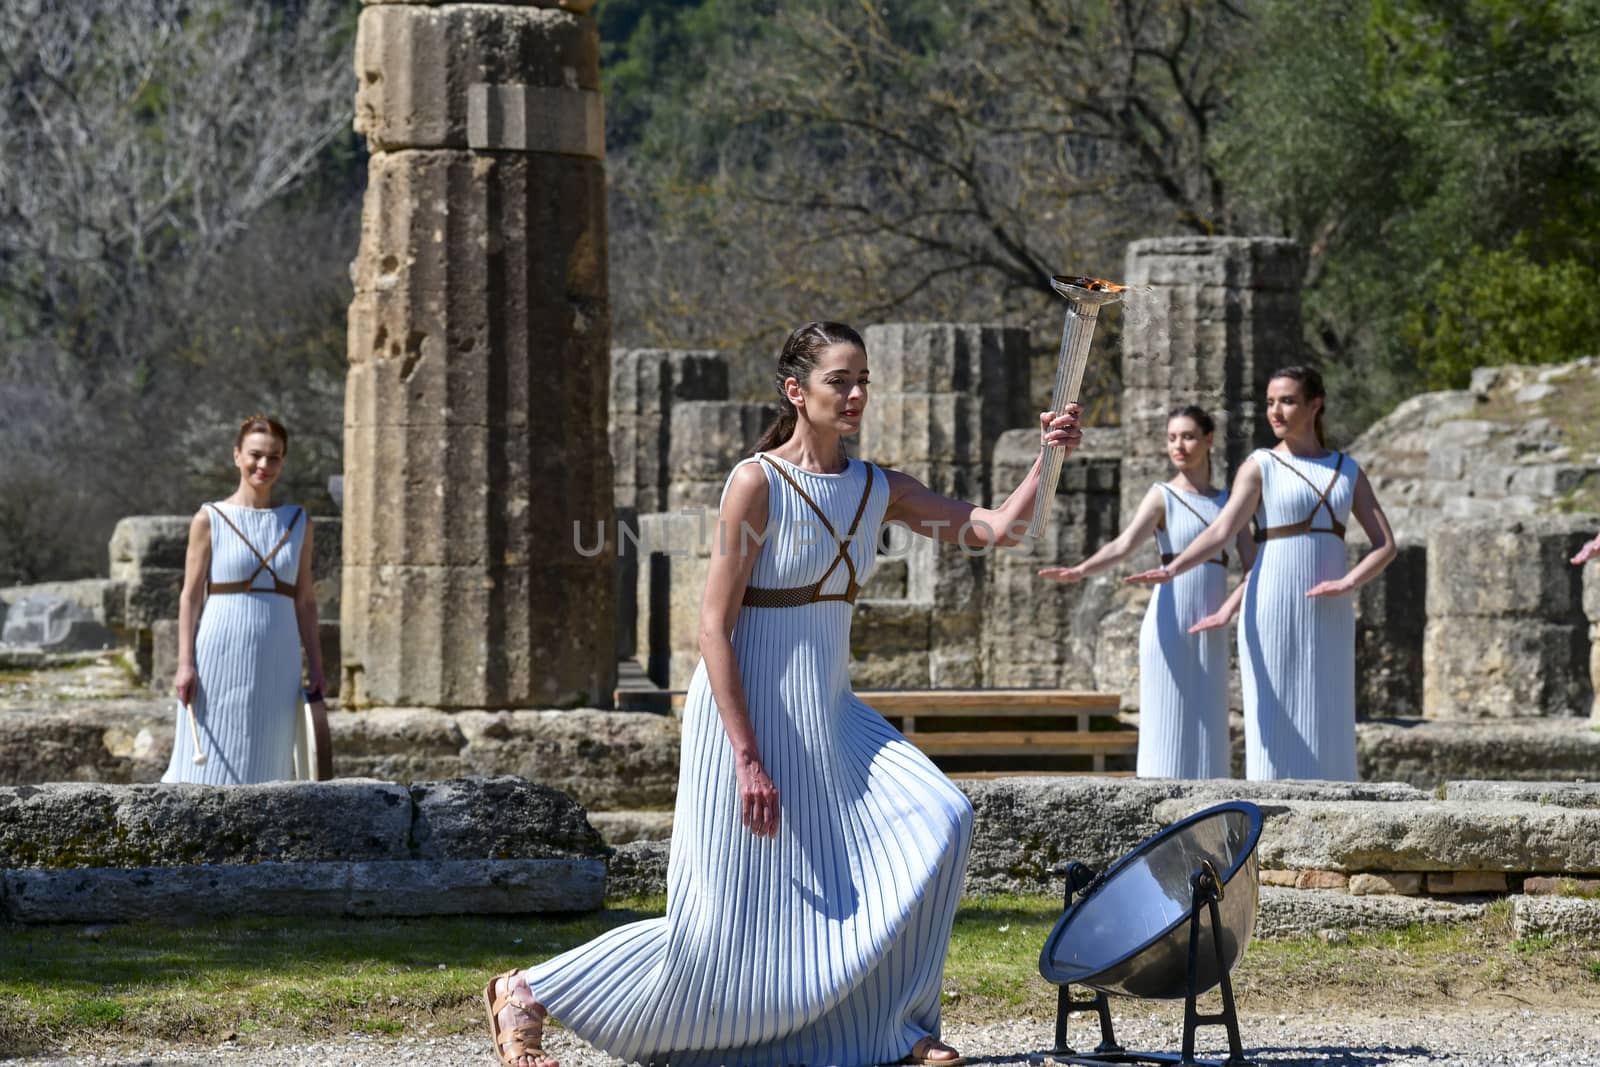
(817, 856)
(1183, 650)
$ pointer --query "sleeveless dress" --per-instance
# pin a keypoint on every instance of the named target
(1297, 655)
(1183, 677)
(826, 944)
(246, 652)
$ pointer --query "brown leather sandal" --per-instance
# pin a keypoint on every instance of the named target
(927, 1045)
(516, 1042)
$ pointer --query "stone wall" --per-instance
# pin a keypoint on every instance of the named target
(92, 853)
(1506, 633)
(1206, 320)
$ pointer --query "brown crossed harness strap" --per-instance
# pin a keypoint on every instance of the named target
(1168, 557)
(278, 584)
(813, 594)
(1272, 533)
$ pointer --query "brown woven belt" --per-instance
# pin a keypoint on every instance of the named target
(279, 586)
(813, 594)
(1273, 533)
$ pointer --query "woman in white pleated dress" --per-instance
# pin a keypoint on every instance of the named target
(246, 609)
(1183, 648)
(817, 856)
(1297, 627)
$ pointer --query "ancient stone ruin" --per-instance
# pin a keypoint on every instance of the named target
(477, 390)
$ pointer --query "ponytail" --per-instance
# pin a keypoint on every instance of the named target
(780, 429)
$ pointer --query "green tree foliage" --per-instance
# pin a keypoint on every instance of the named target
(922, 159)
(1438, 159)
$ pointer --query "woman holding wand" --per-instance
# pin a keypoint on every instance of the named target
(1183, 651)
(817, 856)
(1297, 629)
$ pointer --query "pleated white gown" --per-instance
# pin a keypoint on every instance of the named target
(1183, 677)
(1297, 655)
(827, 944)
(247, 654)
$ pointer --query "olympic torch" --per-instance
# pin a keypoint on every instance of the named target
(1085, 298)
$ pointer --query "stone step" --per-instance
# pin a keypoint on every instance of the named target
(90, 852)
(1349, 836)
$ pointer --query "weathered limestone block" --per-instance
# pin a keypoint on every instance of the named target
(646, 384)
(1300, 912)
(1387, 883)
(479, 367)
(399, 745)
(1483, 668)
(416, 66)
(1449, 836)
(623, 827)
(637, 869)
(604, 759)
(1556, 917)
(497, 818)
(1561, 886)
(1445, 883)
(1428, 753)
(890, 640)
(1560, 794)
(707, 437)
(1391, 617)
(140, 541)
(1207, 320)
(674, 558)
(942, 395)
(1026, 826)
(98, 742)
(1038, 633)
(1527, 560)
(73, 825)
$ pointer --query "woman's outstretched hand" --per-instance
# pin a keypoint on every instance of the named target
(1066, 575)
(1213, 621)
(1587, 552)
(1159, 576)
(1335, 588)
(758, 798)
(1059, 429)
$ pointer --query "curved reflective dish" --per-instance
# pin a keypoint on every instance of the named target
(1129, 932)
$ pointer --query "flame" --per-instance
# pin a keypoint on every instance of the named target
(1094, 285)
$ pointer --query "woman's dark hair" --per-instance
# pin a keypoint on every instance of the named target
(262, 424)
(797, 360)
(1201, 418)
(1310, 388)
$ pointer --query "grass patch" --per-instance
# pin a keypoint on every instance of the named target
(315, 977)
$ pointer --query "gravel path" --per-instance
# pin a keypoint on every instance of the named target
(1498, 1038)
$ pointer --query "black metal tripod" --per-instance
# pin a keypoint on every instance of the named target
(1207, 891)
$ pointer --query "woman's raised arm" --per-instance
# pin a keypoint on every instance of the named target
(1146, 518)
(1242, 501)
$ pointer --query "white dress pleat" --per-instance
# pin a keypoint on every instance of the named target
(825, 945)
(247, 654)
(1183, 677)
(1297, 655)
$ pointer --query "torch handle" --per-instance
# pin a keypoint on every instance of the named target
(1076, 333)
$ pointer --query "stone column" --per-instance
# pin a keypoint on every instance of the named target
(942, 395)
(1507, 636)
(1208, 319)
(1038, 633)
(475, 408)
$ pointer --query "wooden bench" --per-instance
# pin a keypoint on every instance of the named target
(989, 732)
